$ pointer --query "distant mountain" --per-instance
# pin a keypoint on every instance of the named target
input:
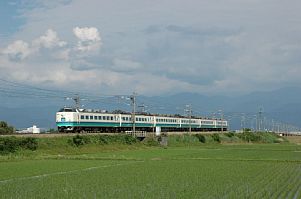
(280, 105)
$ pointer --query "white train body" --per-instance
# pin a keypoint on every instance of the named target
(70, 119)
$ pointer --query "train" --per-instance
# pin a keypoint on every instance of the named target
(93, 120)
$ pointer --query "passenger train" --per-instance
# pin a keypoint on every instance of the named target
(88, 120)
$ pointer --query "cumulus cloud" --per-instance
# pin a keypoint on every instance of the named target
(18, 50)
(89, 39)
(49, 40)
(239, 46)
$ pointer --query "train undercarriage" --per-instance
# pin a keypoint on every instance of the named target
(66, 129)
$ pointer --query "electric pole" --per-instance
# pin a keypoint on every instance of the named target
(133, 100)
(188, 110)
(260, 123)
(222, 118)
(76, 100)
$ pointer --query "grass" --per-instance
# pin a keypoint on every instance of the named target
(237, 170)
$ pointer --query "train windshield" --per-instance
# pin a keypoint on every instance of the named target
(67, 110)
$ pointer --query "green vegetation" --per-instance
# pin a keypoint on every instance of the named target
(192, 166)
(13, 144)
(80, 140)
(5, 128)
(245, 137)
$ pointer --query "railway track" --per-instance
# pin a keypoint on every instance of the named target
(45, 135)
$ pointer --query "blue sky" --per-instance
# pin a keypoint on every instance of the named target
(152, 47)
(10, 20)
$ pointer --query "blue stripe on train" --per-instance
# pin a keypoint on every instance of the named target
(117, 124)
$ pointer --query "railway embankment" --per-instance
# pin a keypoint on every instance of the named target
(86, 143)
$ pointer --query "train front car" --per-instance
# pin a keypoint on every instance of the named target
(67, 119)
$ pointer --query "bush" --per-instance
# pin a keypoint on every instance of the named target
(262, 137)
(8, 145)
(230, 134)
(130, 139)
(201, 138)
(79, 140)
(13, 144)
(104, 139)
(151, 142)
(121, 139)
(250, 136)
(216, 137)
(30, 143)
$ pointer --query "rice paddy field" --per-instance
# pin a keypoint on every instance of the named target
(203, 171)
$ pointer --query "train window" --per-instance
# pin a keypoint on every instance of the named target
(91, 117)
(82, 117)
(99, 117)
(87, 117)
(95, 117)
(108, 117)
(112, 118)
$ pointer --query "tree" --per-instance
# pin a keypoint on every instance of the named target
(5, 128)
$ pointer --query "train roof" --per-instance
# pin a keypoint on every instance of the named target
(69, 109)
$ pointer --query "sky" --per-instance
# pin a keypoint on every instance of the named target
(152, 47)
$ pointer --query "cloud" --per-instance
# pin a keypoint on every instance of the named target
(49, 40)
(18, 50)
(89, 39)
(126, 65)
(202, 46)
